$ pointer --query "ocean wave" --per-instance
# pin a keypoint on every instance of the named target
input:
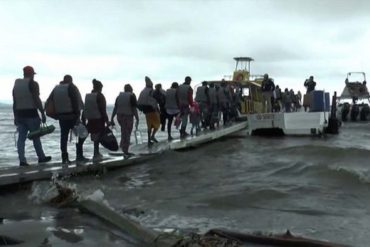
(325, 151)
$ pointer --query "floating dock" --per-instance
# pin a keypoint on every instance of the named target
(18, 175)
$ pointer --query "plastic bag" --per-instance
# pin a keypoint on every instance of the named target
(80, 131)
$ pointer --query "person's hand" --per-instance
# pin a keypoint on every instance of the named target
(43, 118)
(15, 121)
(136, 124)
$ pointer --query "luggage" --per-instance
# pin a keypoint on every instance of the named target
(50, 109)
(43, 130)
(108, 140)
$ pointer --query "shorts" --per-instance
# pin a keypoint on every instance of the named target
(152, 120)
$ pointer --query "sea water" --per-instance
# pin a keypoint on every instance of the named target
(316, 187)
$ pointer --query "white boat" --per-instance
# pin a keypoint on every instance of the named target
(354, 101)
(319, 120)
(292, 123)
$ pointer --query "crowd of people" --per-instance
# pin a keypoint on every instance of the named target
(175, 106)
(276, 100)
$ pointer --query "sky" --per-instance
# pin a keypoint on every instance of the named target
(122, 41)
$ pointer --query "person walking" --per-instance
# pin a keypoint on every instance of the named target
(213, 110)
(149, 106)
(95, 111)
(125, 108)
(26, 104)
(172, 106)
(267, 88)
(202, 98)
(223, 99)
(68, 105)
(185, 94)
(160, 95)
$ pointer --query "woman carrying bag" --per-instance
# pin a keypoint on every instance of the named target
(95, 112)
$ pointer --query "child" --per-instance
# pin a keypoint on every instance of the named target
(195, 118)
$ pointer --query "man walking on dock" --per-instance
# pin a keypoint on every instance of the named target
(185, 94)
(26, 104)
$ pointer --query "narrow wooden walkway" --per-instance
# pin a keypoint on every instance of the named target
(17, 175)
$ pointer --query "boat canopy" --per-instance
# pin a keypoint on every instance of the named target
(355, 90)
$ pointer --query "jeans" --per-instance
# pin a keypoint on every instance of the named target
(24, 125)
(65, 127)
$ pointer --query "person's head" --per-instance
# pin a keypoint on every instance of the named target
(158, 86)
(204, 83)
(148, 82)
(212, 85)
(265, 76)
(187, 80)
(97, 85)
(174, 85)
(286, 90)
(128, 88)
(277, 86)
(311, 78)
(67, 79)
(28, 72)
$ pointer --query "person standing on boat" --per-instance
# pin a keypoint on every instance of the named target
(287, 100)
(185, 94)
(95, 111)
(149, 106)
(160, 95)
(172, 106)
(125, 108)
(68, 105)
(202, 98)
(26, 104)
(278, 99)
(310, 84)
(267, 88)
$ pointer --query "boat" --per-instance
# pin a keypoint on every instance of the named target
(353, 103)
(245, 86)
(319, 120)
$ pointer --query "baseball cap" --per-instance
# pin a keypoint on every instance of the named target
(28, 70)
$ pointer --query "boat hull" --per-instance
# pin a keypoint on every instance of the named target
(294, 123)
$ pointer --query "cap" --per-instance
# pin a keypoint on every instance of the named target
(28, 70)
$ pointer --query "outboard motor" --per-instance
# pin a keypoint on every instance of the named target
(345, 111)
(354, 112)
(364, 113)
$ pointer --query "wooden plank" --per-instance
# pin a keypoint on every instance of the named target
(207, 136)
(16, 175)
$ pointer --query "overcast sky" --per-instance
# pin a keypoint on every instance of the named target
(122, 41)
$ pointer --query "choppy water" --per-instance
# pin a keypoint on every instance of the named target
(317, 187)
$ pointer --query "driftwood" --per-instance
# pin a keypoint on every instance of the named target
(149, 237)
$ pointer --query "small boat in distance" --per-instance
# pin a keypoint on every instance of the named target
(354, 101)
